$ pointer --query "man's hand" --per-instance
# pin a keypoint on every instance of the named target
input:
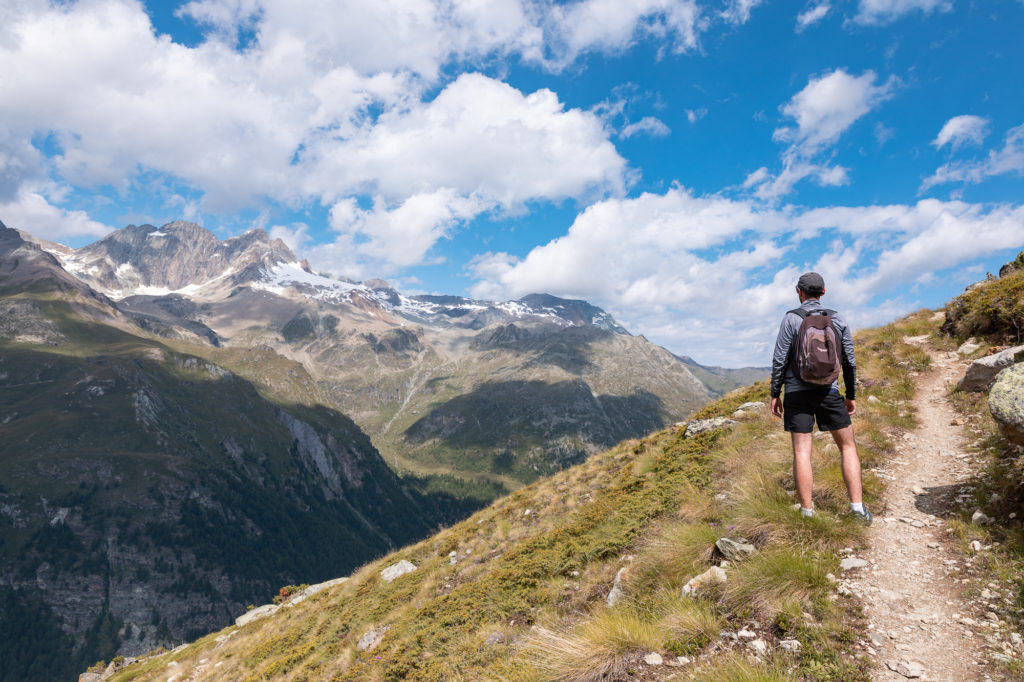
(776, 405)
(851, 406)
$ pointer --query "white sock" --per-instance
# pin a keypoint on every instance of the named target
(857, 507)
(804, 511)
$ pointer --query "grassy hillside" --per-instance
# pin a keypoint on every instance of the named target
(147, 495)
(518, 591)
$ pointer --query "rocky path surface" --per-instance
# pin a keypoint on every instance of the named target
(920, 624)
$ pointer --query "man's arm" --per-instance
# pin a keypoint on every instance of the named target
(780, 357)
(849, 362)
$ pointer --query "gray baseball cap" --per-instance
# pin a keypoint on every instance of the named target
(811, 283)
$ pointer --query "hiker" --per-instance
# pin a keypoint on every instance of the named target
(812, 345)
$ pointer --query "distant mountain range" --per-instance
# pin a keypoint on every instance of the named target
(187, 423)
(504, 391)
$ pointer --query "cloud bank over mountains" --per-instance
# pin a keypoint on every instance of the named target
(383, 138)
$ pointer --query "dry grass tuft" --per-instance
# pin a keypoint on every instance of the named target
(595, 650)
(688, 624)
(675, 554)
(773, 578)
(735, 667)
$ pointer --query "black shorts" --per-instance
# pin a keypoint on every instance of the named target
(801, 408)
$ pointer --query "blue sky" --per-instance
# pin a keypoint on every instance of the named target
(677, 162)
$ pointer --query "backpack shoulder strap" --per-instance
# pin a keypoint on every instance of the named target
(801, 312)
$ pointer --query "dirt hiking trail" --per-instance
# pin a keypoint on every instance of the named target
(920, 624)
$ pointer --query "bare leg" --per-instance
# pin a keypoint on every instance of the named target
(851, 462)
(802, 472)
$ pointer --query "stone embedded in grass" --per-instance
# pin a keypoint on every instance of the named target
(397, 570)
(371, 639)
(712, 576)
(616, 595)
(313, 589)
(256, 614)
(699, 426)
(734, 550)
(852, 562)
(653, 658)
(790, 645)
(759, 646)
(745, 409)
(967, 347)
(979, 518)
(496, 638)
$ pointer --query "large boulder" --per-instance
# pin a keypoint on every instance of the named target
(982, 372)
(1006, 402)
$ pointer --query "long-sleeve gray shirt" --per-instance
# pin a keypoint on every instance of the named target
(784, 372)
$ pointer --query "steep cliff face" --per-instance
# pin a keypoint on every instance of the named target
(147, 493)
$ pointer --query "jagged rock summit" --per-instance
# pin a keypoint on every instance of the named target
(180, 256)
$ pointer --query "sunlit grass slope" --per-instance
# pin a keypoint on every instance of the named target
(519, 590)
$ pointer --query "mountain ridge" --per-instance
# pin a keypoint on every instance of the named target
(398, 363)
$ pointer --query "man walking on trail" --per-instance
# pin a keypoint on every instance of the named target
(813, 343)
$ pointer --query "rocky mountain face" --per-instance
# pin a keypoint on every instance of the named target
(499, 391)
(148, 493)
(180, 255)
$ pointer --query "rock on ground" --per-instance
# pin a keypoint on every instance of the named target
(313, 589)
(616, 594)
(698, 426)
(371, 639)
(734, 550)
(712, 576)
(909, 669)
(969, 346)
(982, 372)
(256, 614)
(790, 645)
(397, 570)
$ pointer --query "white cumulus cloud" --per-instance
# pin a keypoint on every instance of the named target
(478, 136)
(710, 276)
(32, 212)
(1006, 160)
(960, 131)
(821, 112)
(298, 116)
(380, 241)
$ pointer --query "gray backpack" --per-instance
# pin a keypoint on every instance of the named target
(817, 348)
